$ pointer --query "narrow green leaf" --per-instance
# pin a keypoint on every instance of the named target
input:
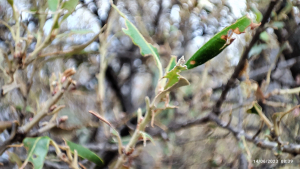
(138, 39)
(14, 158)
(70, 5)
(174, 81)
(264, 36)
(257, 49)
(53, 5)
(114, 132)
(11, 2)
(219, 42)
(258, 14)
(172, 63)
(65, 16)
(37, 148)
(278, 24)
(146, 137)
(84, 153)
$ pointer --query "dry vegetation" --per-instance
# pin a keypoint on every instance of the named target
(82, 79)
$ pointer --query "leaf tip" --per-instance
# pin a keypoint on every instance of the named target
(254, 25)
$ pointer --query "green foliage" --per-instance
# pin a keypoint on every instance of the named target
(14, 158)
(146, 137)
(172, 63)
(138, 39)
(277, 24)
(173, 75)
(257, 49)
(264, 36)
(37, 150)
(257, 13)
(53, 5)
(84, 153)
(70, 5)
(175, 80)
(11, 2)
(219, 42)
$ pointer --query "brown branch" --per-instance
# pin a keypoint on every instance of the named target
(45, 110)
(241, 64)
(293, 149)
(3, 146)
(260, 73)
(189, 123)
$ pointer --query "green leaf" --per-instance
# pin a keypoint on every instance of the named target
(114, 132)
(146, 137)
(29, 109)
(65, 17)
(125, 140)
(256, 49)
(219, 42)
(264, 36)
(173, 75)
(11, 2)
(172, 63)
(84, 153)
(70, 5)
(175, 81)
(277, 24)
(258, 14)
(37, 148)
(53, 5)
(138, 39)
(14, 158)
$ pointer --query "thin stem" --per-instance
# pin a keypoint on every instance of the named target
(46, 42)
(45, 109)
(141, 127)
(9, 28)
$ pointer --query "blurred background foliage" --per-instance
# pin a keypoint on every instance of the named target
(175, 27)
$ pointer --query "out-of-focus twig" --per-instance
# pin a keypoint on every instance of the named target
(46, 108)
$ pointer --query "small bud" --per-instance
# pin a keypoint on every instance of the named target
(69, 72)
(17, 55)
(53, 35)
(129, 152)
(29, 37)
(52, 108)
(63, 79)
(63, 119)
(74, 83)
